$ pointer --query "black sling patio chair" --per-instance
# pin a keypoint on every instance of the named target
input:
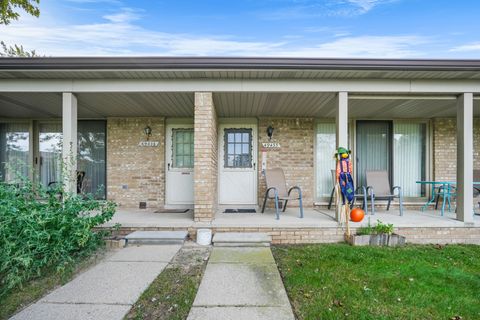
(277, 190)
(80, 178)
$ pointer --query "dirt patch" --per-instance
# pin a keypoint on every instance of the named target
(171, 294)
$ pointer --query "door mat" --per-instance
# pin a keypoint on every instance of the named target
(171, 211)
(240, 211)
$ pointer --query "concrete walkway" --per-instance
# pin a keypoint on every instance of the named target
(241, 283)
(106, 291)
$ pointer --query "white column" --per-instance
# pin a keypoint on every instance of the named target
(465, 158)
(341, 120)
(69, 151)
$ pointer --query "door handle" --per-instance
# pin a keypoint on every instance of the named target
(254, 166)
(169, 167)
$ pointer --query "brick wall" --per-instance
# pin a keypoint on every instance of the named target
(135, 173)
(205, 167)
(305, 235)
(295, 155)
(445, 147)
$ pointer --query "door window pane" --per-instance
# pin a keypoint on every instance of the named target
(182, 145)
(91, 156)
(50, 148)
(238, 148)
(409, 140)
(14, 150)
(373, 148)
(325, 150)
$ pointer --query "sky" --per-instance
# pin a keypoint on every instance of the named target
(425, 29)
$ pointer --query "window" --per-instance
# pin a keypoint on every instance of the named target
(409, 153)
(91, 156)
(15, 153)
(374, 152)
(325, 150)
(50, 152)
(14, 150)
(182, 148)
(238, 148)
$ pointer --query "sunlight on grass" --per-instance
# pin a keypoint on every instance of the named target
(415, 282)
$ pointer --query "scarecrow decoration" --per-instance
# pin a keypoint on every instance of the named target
(344, 184)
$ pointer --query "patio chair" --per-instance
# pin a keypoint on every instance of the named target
(453, 191)
(357, 195)
(277, 190)
(80, 179)
(451, 194)
(379, 188)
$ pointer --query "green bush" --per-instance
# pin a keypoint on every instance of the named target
(43, 229)
(379, 228)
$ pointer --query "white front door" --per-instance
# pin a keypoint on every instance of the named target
(237, 162)
(179, 165)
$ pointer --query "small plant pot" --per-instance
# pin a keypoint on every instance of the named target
(396, 240)
(383, 239)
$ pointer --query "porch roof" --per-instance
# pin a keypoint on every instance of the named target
(243, 87)
(234, 68)
(229, 104)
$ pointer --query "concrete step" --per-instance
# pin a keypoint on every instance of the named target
(241, 239)
(156, 237)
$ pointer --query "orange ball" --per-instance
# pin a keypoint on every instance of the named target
(357, 214)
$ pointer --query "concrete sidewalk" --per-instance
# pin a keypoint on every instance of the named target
(106, 291)
(241, 283)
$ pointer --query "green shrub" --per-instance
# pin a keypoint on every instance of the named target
(379, 228)
(386, 228)
(42, 229)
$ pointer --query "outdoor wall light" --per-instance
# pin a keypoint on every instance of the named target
(148, 132)
(270, 132)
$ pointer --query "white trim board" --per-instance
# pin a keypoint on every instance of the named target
(243, 85)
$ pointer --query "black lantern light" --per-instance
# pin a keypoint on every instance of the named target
(270, 132)
(148, 132)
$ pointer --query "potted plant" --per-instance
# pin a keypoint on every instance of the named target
(379, 235)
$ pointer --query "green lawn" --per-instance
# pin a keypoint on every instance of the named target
(339, 281)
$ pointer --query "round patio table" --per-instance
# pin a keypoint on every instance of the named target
(446, 193)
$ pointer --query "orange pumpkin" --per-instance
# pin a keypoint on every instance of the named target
(357, 214)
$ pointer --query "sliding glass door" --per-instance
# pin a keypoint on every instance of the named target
(325, 160)
(92, 156)
(17, 156)
(15, 153)
(50, 152)
(398, 147)
(409, 152)
(374, 151)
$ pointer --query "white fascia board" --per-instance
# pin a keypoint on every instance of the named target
(244, 85)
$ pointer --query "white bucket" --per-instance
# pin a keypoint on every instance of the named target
(204, 237)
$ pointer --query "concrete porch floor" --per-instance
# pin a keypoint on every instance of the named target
(313, 218)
